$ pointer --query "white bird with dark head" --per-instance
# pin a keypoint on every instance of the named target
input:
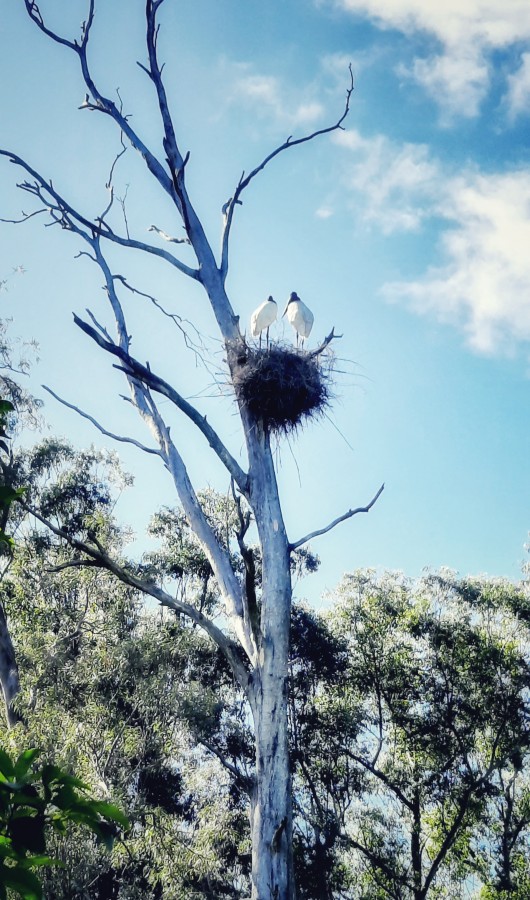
(300, 317)
(263, 317)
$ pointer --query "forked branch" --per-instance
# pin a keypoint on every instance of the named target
(325, 343)
(99, 102)
(244, 181)
(347, 515)
(69, 218)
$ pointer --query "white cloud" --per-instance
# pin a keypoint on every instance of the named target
(468, 30)
(518, 93)
(396, 183)
(457, 82)
(324, 212)
(269, 97)
(495, 23)
(483, 286)
(482, 283)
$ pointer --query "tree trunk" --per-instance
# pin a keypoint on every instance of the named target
(272, 848)
(272, 863)
(415, 846)
(8, 671)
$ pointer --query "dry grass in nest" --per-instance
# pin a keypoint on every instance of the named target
(282, 387)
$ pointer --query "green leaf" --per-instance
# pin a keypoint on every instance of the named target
(24, 761)
(54, 775)
(6, 406)
(6, 765)
(110, 811)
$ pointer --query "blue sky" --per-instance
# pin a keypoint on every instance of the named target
(409, 231)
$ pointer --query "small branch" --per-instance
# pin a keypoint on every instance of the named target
(167, 237)
(101, 103)
(347, 515)
(98, 325)
(243, 781)
(65, 215)
(378, 773)
(115, 437)
(25, 217)
(250, 603)
(229, 207)
(325, 343)
(197, 348)
(379, 862)
(75, 564)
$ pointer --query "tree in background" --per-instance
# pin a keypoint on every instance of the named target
(408, 709)
(127, 688)
(434, 696)
(255, 642)
(18, 409)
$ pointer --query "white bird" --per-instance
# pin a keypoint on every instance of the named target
(263, 317)
(300, 317)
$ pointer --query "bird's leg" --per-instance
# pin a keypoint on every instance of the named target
(267, 337)
(260, 340)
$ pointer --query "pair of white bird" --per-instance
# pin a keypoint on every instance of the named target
(298, 314)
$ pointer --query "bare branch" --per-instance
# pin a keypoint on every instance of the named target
(115, 437)
(134, 368)
(167, 237)
(67, 215)
(229, 207)
(378, 773)
(347, 515)
(103, 559)
(98, 325)
(325, 343)
(103, 104)
(243, 781)
(25, 217)
(250, 603)
(109, 185)
(36, 15)
(198, 348)
(75, 564)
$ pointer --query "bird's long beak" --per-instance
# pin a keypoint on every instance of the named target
(285, 310)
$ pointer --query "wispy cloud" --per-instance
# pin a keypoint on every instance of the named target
(458, 77)
(324, 212)
(269, 96)
(457, 81)
(397, 183)
(518, 93)
(482, 282)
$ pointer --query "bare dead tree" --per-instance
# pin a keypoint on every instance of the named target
(255, 643)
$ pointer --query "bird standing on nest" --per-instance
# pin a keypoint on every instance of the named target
(300, 317)
(263, 317)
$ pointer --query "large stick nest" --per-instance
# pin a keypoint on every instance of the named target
(282, 387)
